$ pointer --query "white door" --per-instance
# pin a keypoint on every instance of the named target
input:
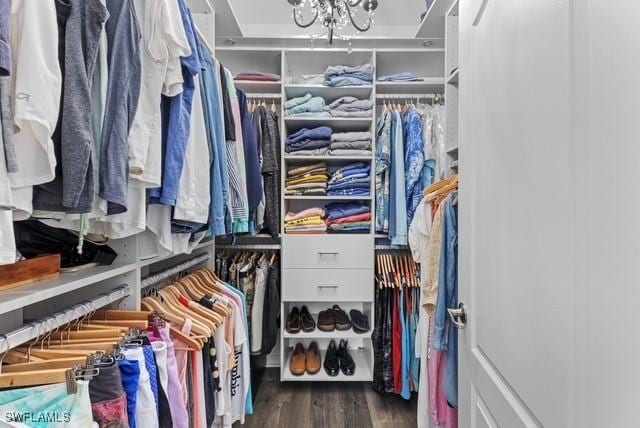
(550, 213)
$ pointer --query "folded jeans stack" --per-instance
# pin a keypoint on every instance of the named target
(305, 106)
(257, 76)
(307, 180)
(310, 220)
(350, 144)
(345, 75)
(351, 107)
(349, 216)
(350, 180)
(309, 139)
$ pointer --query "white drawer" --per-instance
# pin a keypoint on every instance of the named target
(328, 252)
(326, 285)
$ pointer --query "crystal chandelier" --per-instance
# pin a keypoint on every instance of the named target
(333, 14)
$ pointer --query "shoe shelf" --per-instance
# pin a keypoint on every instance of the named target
(319, 334)
(363, 373)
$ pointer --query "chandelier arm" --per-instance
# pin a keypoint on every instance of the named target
(353, 22)
(309, 24)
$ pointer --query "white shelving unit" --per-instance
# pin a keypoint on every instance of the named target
(452, 70)
(433, 25)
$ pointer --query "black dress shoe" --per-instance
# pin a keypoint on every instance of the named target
(308, 324)
(359, 321)
(347, 364)
(294, 323)
(342, 320)
(331, 360)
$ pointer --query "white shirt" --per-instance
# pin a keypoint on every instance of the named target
(192, 202)
(163, 40)
(37, 89)
(7, 240)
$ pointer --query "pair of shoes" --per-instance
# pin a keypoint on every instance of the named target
(333, 319)
(360, 321)
(339, 358)
(305, 361)
(300, 320)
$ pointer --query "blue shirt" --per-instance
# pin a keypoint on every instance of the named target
(413, 161)
(219, 207)
(445, 337)
(398, 226)
(179, 121)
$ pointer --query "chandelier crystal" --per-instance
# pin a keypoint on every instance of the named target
(333, 15)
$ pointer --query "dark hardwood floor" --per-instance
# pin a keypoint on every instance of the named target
(326, 405)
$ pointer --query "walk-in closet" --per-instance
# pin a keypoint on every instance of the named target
(318, 213)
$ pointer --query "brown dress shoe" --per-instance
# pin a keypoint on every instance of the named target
(313, 359)
(298, 360)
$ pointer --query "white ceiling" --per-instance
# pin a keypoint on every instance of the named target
(272, 19)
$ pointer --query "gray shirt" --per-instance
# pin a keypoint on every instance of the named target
(6, 115)
(123, 91)
(73, 188)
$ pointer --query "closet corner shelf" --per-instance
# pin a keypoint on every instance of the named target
(329, 198)
(153, 260)
(425, 86)
(432, 26)
(452, 150)
(26, 295)
(328, 92)
(453, 78)
(252, 86)
(336, 123)
(363, 369)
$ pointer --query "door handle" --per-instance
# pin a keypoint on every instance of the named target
(328, 286)
(458, 316)
(328, 253)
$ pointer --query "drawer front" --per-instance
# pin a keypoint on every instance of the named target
(325, 285)
(328, 252)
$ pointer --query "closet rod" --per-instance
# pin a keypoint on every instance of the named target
(40, 328)
(164, 274)
(266, 96)
(249, 247)
(392, 247)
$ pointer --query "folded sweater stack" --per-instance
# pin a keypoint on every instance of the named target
(346, 75)
(350, 144)
(349, 216)
(257, 76)
(309, 139)
(351, 107)
(305, 106)
(307, 180)
(350, 180)
(310, 220)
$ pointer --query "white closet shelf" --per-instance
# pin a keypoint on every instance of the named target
(336, 123)
(328, 92)
(432, 26)
(326, 158)
(452, 150)
(329, 198)
(425, 86)
(363, 371)
(319, 334)
(453, 78)
(42, 290)
(253, 86)
(152, 260)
